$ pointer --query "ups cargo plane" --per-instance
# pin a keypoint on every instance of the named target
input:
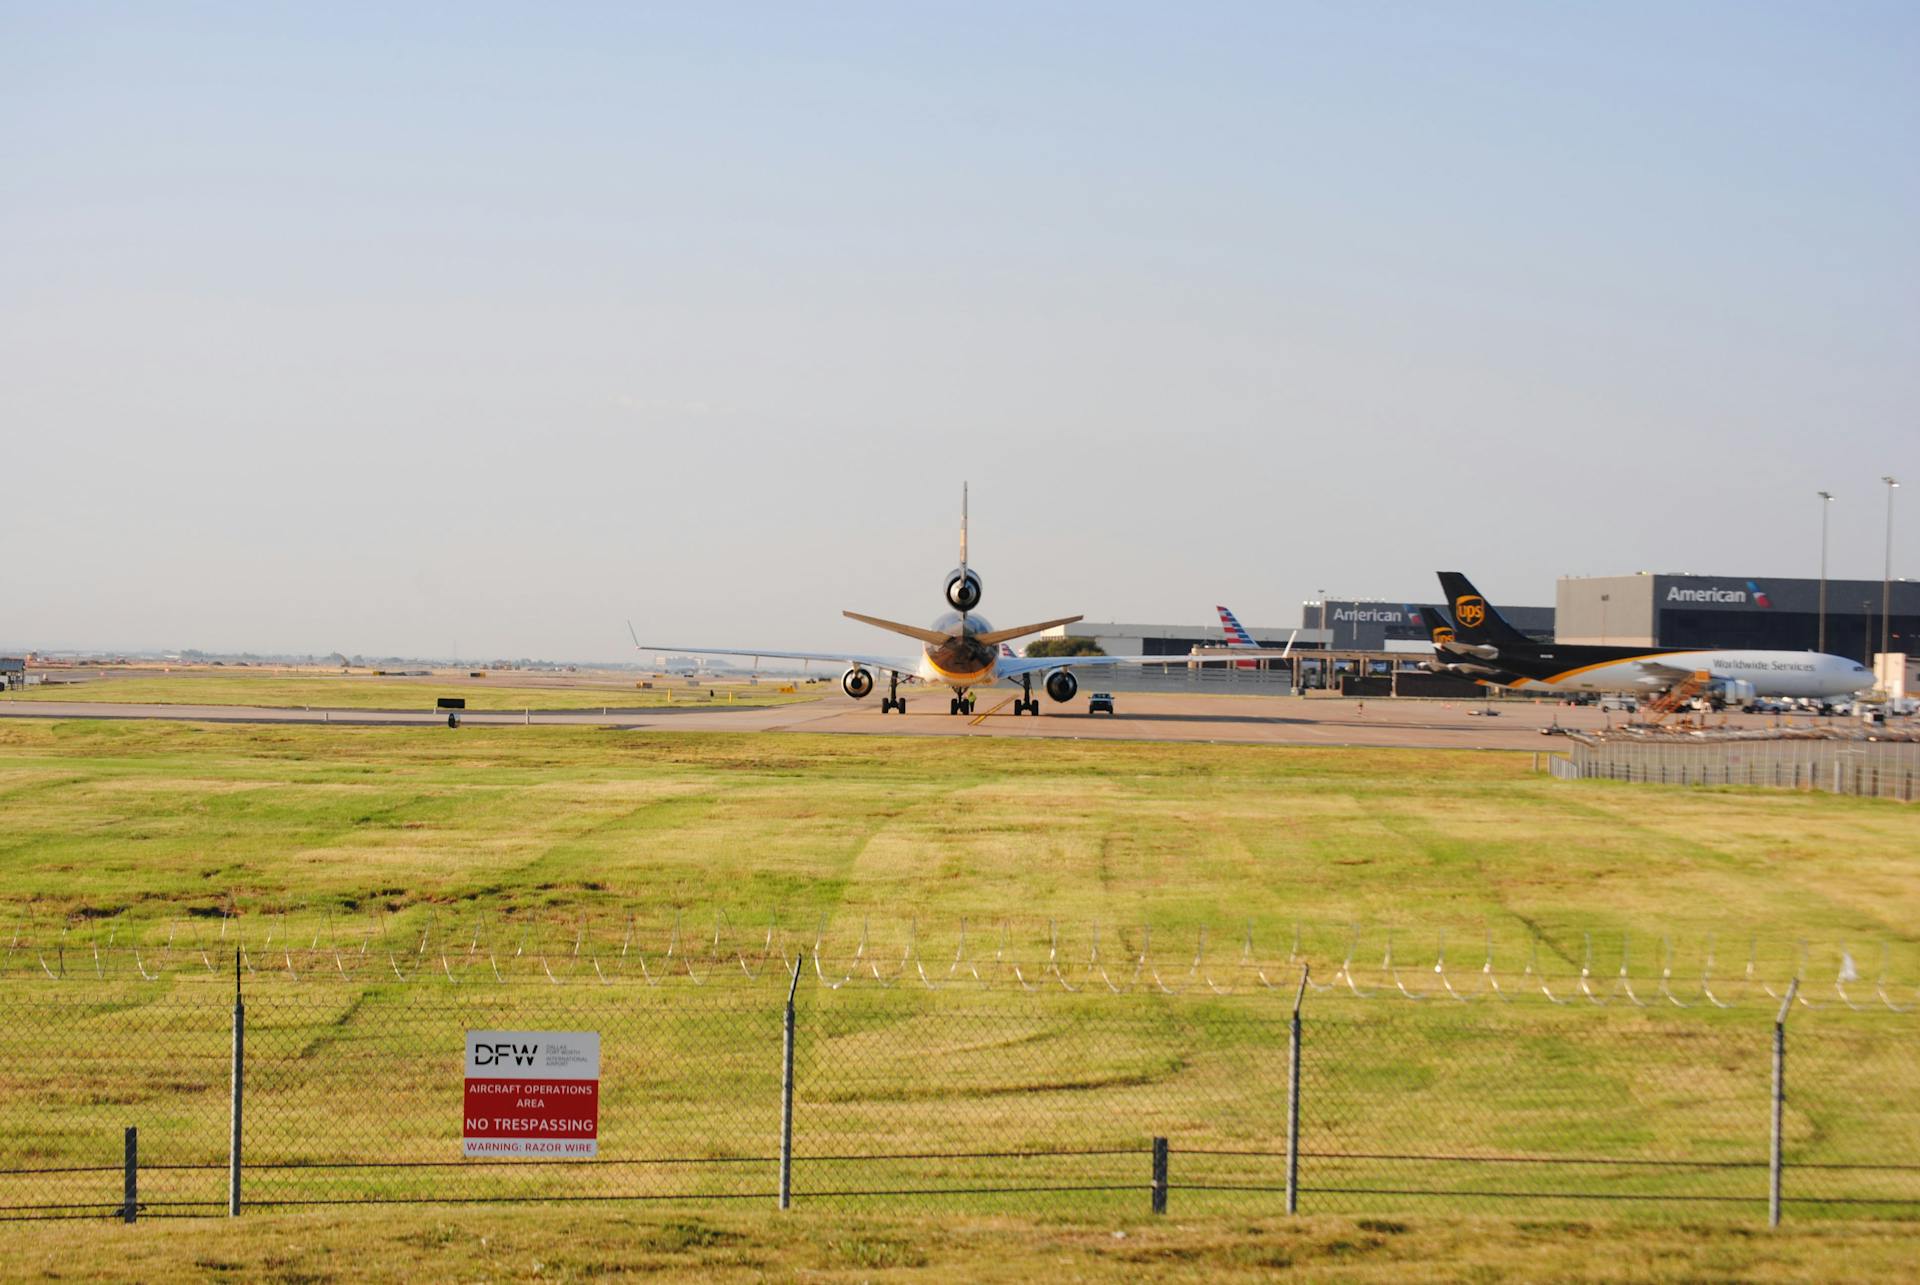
(960, 650)
(1449, 662)
(1483, 645)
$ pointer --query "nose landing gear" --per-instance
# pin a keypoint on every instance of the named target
(962, 703)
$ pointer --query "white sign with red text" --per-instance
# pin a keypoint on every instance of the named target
(533, 1093)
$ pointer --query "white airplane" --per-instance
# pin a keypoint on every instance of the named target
(960, 650)
(1238, 639)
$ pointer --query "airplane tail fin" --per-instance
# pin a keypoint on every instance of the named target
(963, 528)
(1475, 620)
(1237, 635)
(1439, 632)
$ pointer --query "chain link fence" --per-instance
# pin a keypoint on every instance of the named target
(1875, 769)
(1049, 1103)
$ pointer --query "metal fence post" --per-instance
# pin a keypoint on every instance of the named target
(786, 1097)
(130, 1189)
(1293, 1096)
(1779, 1103)
(239, 1070)
(1159, 1175)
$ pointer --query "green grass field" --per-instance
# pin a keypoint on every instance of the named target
(560, 1245)
(366, 692)
(382, 853)
(140, 826)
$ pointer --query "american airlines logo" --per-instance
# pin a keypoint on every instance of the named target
(1753, 593)
(1375, 615)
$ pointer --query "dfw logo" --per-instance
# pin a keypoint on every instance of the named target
(532, 1093)
(500, 1054)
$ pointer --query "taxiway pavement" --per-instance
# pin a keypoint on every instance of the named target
(1142, 716)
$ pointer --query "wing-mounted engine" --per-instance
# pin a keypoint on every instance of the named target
(1461, 668)
(963, 589)
(1061, 685)
(857, 683)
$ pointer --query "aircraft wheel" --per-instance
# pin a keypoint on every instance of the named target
(953, 706)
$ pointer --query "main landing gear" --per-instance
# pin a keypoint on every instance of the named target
(1031, 703)
(960, 704)
(893, 699)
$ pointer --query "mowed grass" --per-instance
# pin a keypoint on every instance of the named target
(573, 1244)
(142, 824)
(518, 835)
(353, 691)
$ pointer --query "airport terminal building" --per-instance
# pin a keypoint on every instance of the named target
(1647, 610)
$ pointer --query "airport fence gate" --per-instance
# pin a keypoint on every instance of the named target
(117, 1100)
(1874, 769)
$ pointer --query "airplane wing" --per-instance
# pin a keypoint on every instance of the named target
(1662, 676)
(1013, 667)
(889, 664)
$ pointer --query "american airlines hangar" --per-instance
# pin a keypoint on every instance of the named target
(1735, 611)
(1395, 626)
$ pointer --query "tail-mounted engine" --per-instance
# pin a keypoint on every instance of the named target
(963, 589)
(1061, 685)
(857, 682)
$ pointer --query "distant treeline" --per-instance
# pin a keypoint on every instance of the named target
(1064, 647)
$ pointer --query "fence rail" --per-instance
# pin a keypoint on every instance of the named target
(1047, 1103)
(1874, 769)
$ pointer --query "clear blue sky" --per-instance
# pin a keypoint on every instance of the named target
(378, 327)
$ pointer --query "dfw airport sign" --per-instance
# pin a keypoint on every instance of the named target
(533, 1093)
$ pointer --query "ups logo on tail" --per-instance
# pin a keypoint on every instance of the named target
(1470, 610)
(1442, 635)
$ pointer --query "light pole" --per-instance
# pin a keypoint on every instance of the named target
(1886, 575)
(1826, 501)
(1326, 644)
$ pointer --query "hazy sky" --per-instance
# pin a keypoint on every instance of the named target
(378, 327)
